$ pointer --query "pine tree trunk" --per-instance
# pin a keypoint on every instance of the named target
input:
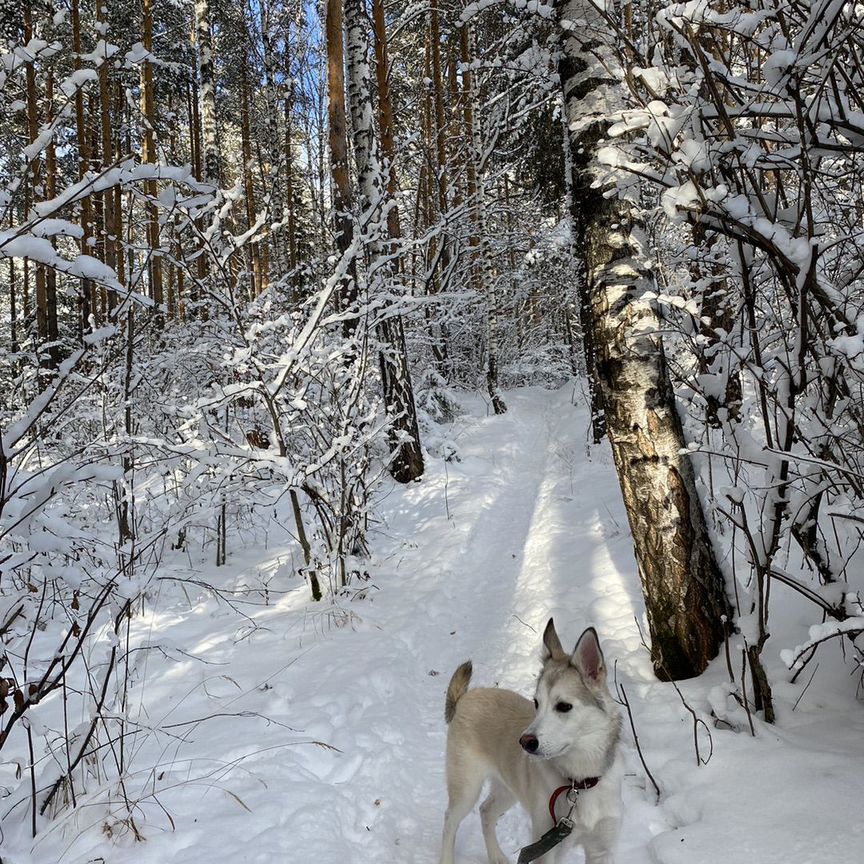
(683, 587)
(435, 185)
(583, 297)
(107, 239)
(50, 193)
(385, 115)
(438, 101)
(479, 240)
(148, 155)
(37, 190)
(277, 194)
(198, 171)
(407, 461)
(441, 179)
(248, 186)
(83, 164)
(121, 249)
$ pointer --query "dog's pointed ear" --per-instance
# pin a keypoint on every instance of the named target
(551, 643)
(588, 659)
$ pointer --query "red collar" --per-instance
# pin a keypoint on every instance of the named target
(575, 786)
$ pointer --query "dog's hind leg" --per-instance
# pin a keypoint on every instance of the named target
(498, 802)
(463, 790)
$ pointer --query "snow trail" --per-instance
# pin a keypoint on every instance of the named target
(523, 535)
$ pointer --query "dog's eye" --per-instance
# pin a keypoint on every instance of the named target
(536, 704)
(563, 707)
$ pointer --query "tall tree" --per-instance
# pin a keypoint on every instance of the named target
(477, 202)
(385, 114)
(207, 85)
(278, 252)
(340, 176)
(257, 269)
(50, 193)
(88, 289)
(407, 459)
(107, 231)
(148, 154)
(683, 586)
(46, 310)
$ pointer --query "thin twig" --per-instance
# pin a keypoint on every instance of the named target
(622, 694)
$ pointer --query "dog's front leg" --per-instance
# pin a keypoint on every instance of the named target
(540, 824)
(599, 844)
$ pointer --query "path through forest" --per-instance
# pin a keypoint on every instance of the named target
(326, 735)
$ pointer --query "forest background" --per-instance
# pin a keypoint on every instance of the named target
(253, 255)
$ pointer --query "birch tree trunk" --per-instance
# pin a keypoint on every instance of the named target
(37, 189)
(87, 288)
(582, 294)
(683, 587)
(337, 140)
(407, 461)
(208, 91)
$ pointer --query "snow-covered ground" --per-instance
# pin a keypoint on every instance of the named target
(315, 733)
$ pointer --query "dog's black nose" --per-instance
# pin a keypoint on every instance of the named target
(529, 743)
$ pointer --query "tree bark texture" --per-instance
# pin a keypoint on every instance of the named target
(109, 235)
(683, 587)
(340, 178)
(87, 287)
(258, 281)
(385, 115)
(50, 193)
(407, 461)
(148, 155)
(206, 76)
(43, 310)
(279, 254)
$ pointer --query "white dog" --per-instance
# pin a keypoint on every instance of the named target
(558, 758)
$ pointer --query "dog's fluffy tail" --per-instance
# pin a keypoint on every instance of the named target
(456, 688)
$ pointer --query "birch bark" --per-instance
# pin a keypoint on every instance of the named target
(683, 587)
(407, 460)
(86, 303)
(208, 91)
